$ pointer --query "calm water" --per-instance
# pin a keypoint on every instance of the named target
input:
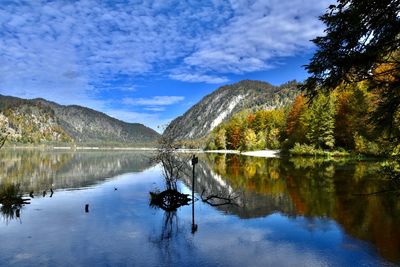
(299, 212)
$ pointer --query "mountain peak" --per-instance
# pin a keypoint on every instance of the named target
(225, 101)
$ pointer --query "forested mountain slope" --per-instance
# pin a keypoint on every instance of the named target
(227, 100)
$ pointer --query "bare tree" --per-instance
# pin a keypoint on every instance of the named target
(172, 167)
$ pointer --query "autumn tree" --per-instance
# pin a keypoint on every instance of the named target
(234, 133)
(261, 140)
(294, 128)
(249, 140)
(259, 120)
(352, 116)
(220, 139)
(360, 37)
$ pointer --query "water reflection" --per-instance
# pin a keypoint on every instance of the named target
(297, 212)
(171, 199)
(12, 201)
(311, 188)
(39, 171)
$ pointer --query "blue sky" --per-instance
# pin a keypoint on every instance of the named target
(150, 61)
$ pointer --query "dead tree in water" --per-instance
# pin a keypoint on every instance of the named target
(169, 200)
(172, 166)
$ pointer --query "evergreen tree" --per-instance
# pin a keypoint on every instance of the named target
(320, 118)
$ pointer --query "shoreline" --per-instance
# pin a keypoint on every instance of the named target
(256, 153)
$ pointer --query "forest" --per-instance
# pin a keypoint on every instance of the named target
(340, 122)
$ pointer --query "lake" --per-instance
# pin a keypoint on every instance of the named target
(287, 212)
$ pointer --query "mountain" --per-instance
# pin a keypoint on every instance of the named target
(227, 100)
(39, 120)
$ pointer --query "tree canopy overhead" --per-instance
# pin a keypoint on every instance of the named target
(360, 36)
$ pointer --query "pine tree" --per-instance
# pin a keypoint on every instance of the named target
(320, 118)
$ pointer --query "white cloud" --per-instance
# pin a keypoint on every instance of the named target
(153, 101)
(94, 40)
(158, 109)
(188, 77)
(258, 35)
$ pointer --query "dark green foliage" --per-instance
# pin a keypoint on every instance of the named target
(362, 43)
(320, 119)
(359, 35)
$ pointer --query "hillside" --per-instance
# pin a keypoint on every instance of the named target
(227, 100)
(39, 120)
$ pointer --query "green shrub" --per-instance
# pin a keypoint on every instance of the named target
(310, 150)
(366, 147)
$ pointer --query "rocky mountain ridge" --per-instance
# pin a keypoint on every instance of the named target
(39, 120)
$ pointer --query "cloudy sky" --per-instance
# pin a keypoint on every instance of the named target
(148, 61)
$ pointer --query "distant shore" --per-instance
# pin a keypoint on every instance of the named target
(257, 153)
(44, 147)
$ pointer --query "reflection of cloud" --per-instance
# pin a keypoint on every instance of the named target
(254, 243)
(23, 257)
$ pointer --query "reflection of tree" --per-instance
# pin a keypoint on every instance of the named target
(172, 167)
(12, 201)
(318, 188)
(222, 198)
(170, 225)
(3, 134)
(170, 199)
(176, 167)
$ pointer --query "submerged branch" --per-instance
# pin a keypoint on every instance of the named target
(218, 200)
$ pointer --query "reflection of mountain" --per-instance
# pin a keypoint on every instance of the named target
(40, 170)
(310, 188)
(251, 204)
